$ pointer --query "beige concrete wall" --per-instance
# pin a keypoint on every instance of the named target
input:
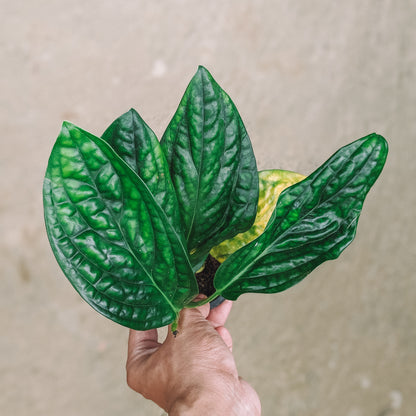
(307, 77)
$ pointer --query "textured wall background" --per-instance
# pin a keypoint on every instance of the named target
(307, 77)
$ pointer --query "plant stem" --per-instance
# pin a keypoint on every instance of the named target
(174, 327)
(203, 301)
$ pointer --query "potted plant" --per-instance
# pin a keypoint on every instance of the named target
(134, 222)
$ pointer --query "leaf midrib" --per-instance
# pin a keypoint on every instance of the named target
(161, 211)
(266, 250)
(198, 187)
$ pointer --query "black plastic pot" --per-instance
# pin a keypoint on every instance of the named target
(216, 302)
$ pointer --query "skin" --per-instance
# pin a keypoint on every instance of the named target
(194, 373)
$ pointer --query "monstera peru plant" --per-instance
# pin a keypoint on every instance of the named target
(136, 223)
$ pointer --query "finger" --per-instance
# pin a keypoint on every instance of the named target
(218, 316)
(189, 320)
(204, 310)
(189, 317)
(226, 336)
(142, 343)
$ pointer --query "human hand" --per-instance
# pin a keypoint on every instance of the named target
(193, 373)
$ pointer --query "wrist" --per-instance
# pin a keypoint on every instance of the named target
(221, 401)
(191, 402)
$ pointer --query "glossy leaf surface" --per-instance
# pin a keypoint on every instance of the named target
(212, 166)
(314, 221)
(271, 184)
(134, 141)
(114, 242)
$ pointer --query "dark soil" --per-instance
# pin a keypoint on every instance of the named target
(205, 278)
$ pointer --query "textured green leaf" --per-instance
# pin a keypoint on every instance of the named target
(212, 166)
(272, 183)
(314, 221)
(134, 141)
(110, 235)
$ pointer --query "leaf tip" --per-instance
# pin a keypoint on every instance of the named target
(201, 68)
(67, 128)
(203, 72)
(377, 139)
(380, 143)
(67, 125)
(133, 111)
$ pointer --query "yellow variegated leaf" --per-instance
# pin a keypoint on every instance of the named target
(271, 184)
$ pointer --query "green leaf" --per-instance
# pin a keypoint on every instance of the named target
(110, 235)
(134, 141)
(314, 221)
(272, 183)
(212, 166)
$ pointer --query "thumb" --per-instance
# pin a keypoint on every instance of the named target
(141, 344)
(192, 320)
